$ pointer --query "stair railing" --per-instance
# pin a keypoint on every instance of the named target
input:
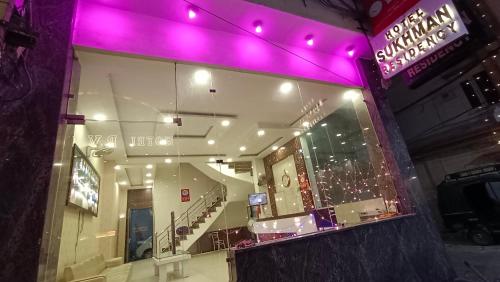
(194, 214)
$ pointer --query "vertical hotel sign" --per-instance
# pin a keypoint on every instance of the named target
(420, 31)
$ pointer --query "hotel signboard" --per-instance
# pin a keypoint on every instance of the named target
(422, 30)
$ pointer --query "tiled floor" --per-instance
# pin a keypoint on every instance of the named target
(210, 267)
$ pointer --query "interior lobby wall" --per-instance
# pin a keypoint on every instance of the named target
(84, 235)
(167, 193)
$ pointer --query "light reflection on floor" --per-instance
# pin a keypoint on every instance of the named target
(210, 267)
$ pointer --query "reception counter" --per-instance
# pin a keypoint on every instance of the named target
(375, 251)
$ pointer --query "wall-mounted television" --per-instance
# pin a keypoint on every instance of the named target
(257, 199)
(85, 183)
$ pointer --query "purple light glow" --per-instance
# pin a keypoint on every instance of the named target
(258, 26)
(350, 51)
(310, 40)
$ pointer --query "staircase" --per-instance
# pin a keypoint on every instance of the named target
(191, 224)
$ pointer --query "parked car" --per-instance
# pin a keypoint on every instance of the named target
(145, 248)
(470, 201)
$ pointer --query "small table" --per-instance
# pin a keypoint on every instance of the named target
(179, 261)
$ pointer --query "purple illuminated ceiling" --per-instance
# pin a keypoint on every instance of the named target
(222, 34)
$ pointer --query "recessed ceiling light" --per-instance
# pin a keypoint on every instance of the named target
(131, 145)
(350, 51)
(100, 117)
(148, 174)
(261, 132)
(296, 133)
(168, 119)
(149, 186)
(350, 95)
(191, 13)
(201, 77)
(286, 87)
(229, 160)
(149, 166)
(305, 124)
(225, 123)
(149, 181)
(122, 183)
(275, 148)
(258, 29)
(211, 142)
(309, 133)
(243, 148)
(118, 167)
(212, 160)
(163, 142)
(324, 124)
(338, 134)
(309, 40)
(168, 161)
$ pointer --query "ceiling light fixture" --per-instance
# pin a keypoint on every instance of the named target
(168, 161)
(350, 95)
(201, 77)
(148, 174)
(123, 183)
(350, 50)
(211, 142)
(191, 13)
(309, 40)
(261, 132)
(118, 167)
(296, 133)
(258, 26)
(149, 181)
(286, 87)
(225, 123)
(275, 148)
(305, 124)
(308, 133)
(149, 166)
(212, 160)
(100, 117)
(131, 145)
(168, 119)
(243, 148)
(323, 125)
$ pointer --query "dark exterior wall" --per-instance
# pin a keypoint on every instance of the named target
(29, 123)
(402, 249)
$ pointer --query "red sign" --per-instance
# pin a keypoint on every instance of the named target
(382, 13)
(185, 197)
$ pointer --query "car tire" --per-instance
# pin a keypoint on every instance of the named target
(481, 237)
(147, 254)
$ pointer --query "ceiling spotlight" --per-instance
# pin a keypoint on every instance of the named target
(148, 174)
(296, 133)
(308, 133)
(350, 95)
(261, 132)
(191, 13)
(323, 125)
(201, 77)
(309, 40)
(149, 166)
(123, 183)
(305, 124)
(350, 50)
(163, 142)
(149, 181)
(339, 134)
(286, 87)
(118, 167)
(168, 119)
(229, 160)
(212, 160)
(168, 161)
(211, 142)
(225, 123)
(243, 148)
(275, 148)
(258, 26)
(100, 117)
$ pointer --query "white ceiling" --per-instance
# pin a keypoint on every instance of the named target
(135, 94)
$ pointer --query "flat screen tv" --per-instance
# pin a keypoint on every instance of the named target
(85, 183)
(257, 199)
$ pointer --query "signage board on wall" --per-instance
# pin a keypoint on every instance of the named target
(382, 13)
(424, 29)
(185, 195)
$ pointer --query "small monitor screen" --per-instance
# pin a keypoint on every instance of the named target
(85, 182)
(257, 199)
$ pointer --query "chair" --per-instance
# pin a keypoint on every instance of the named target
(216, 242)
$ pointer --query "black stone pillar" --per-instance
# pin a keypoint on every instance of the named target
(29, 120)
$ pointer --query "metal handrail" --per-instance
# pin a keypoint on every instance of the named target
(198, 208)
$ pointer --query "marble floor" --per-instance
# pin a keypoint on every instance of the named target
(209, 267)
